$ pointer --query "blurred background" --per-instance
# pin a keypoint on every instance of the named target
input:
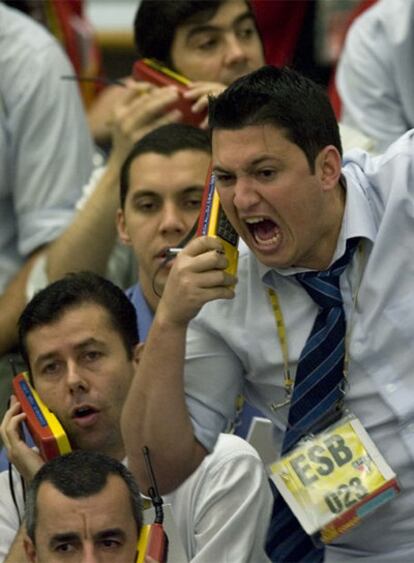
(97, 34)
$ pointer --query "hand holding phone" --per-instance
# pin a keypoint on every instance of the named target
(45, 429)
(154, 72)
(213, 222)
(25, 459)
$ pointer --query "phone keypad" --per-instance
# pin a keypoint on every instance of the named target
(225, 229)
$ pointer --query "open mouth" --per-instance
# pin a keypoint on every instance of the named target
(81, 412)
(264, 231)
(162, 254)
(167, 255)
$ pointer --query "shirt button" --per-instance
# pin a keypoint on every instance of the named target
(390, 387)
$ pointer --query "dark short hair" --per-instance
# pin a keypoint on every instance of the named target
(71, 291)
(283, 98)
(165, 140)
(156, 22)
(80, 474)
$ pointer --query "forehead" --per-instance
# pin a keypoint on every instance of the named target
(167, 174)
(232, 148)
(74, 326)
(226, 14)
(84, 516)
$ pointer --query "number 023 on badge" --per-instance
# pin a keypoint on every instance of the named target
(332, 480)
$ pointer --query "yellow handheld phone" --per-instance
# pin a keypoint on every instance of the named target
(44, 427)
(213, 222)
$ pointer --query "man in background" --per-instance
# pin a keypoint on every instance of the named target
(156, 215)
(212, 43)
(374, 77)
(84, 505)
(45, 158)
(79, 338)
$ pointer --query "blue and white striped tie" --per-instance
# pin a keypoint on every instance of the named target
(318, 390)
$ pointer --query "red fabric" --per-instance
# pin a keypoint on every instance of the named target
(280, 23)
(77, 36)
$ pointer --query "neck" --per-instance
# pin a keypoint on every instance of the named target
(117, 452)
(150, 297)
(329, 238)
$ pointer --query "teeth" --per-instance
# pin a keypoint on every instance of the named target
(253, 220)
(269, 241)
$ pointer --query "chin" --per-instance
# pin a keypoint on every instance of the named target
(273, 262)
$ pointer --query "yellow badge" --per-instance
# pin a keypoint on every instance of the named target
(334, 479)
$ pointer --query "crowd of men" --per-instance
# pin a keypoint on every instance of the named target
(134, 347)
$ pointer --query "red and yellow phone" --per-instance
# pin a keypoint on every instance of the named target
(154, 72)
(213, 222)
(153, 542)
(44, 427)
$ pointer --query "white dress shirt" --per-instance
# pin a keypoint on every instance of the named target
(221, 511)
(375, 74)
(45, 145)
(234, 344)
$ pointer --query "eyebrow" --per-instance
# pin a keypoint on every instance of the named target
(151, 193)
(80, 346)
(74, 537)
(144, 192)
(256, 162)
(110, 533)
(196, 29)
(63, 537)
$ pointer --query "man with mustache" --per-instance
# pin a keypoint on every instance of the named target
(84, 505)
(79, 338)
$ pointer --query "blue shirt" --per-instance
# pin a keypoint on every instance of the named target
(232, 346)
(144, 314)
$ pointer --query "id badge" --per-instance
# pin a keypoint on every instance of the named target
(334, 479)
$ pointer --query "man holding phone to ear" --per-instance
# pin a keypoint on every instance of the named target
(79, 337)
(317, 228)
(211, 43)
(156, 214)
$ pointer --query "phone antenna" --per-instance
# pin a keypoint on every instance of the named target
(153, 492)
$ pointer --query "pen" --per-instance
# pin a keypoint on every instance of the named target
(100, 79)
(172, 252)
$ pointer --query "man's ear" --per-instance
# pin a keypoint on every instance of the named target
(328, 165)
(122, 228)
(29, 549)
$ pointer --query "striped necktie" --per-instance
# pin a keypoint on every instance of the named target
(317, 392)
